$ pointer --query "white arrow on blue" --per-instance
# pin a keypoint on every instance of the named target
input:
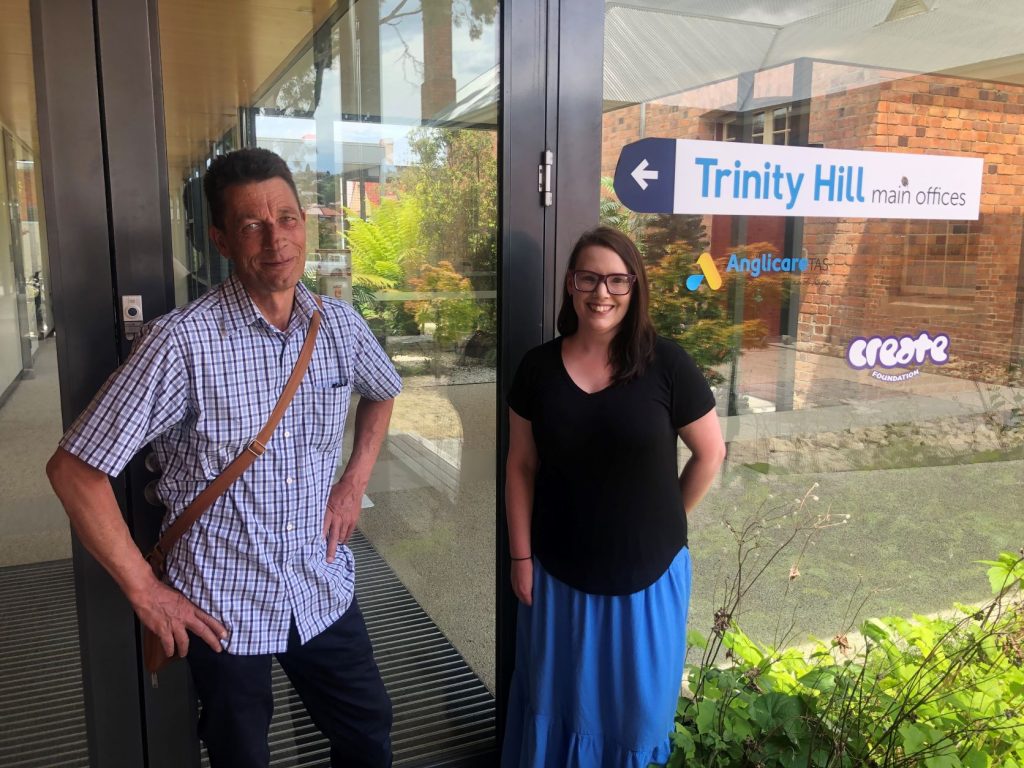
(641, 188)
(640, 174)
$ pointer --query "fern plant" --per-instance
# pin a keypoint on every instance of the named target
(386, 244)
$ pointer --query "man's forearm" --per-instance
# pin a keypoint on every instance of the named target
(372, 419)
(89, 502)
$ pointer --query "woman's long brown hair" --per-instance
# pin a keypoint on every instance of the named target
(632, 349)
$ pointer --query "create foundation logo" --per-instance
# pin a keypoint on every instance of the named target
(708, 270)
(897, 352)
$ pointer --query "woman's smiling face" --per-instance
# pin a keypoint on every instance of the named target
(599, 311)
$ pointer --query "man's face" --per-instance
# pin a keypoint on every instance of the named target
(264, 235)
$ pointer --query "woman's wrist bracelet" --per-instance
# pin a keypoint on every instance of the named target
(528, 557)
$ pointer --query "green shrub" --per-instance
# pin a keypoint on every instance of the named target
(454, 311)
(928, 692)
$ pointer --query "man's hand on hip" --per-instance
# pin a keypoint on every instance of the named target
(171, 616)
(343, 506)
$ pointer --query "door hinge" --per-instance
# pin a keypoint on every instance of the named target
(547, 160)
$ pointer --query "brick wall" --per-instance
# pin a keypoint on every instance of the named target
(622, 126)
(865, 290)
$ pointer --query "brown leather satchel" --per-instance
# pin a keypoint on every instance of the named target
(153, 653)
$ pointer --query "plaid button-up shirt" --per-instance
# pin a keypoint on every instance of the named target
(199, 384)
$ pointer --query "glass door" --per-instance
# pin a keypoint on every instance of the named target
(387, 117)
(908, 470)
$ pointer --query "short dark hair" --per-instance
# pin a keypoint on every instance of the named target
(632, 349)
(243, 166)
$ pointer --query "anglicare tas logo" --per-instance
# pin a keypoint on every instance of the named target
(762, 264)
(708, 270)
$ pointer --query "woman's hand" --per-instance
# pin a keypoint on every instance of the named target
(522, 580)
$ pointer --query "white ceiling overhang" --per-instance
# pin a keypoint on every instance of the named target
(660, 48)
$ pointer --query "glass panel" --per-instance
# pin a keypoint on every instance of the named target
(757, 127)
(387, 116)
(35, 527)
(915, 479)
(43, 710)
(401, 220)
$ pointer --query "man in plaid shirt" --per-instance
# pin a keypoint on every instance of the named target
(266, 570)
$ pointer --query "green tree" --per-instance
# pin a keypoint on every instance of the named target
(455, 179)
(666, 231)
(701, 321)
(455, 183)
(453, 312)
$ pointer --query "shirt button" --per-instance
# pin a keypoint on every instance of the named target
(290, 480)
(287, 433)
(290, 527)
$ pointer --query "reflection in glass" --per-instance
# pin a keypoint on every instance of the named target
(34, 527)
(401, 206)
(386, 114)
(393, 146)
(926, 467)
(41, 695)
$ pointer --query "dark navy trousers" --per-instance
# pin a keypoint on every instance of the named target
(334, 674)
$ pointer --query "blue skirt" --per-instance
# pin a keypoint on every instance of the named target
(597, 677)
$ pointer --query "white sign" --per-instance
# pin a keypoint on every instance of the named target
(765, 180)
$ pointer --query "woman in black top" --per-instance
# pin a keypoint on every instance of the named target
(597, 521)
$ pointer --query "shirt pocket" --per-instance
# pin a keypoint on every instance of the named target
(226, 428)
(222, 441)
(322, 413)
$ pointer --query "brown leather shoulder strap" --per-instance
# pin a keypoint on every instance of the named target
(245, 459)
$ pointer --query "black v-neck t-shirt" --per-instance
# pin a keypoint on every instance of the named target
(608, 517)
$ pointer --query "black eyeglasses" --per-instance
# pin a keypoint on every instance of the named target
(617, 285)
